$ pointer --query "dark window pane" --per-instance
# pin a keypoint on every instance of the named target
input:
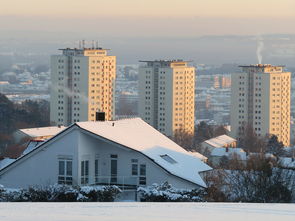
(134, 169)
(113, 167)
(82, 168)
(86, 168)
(134, 160)
(142, 180)
(113, 171)
(96, 167)
(61, 168)
(142, 170)
(69, 168)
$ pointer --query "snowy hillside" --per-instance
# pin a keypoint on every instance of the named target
(145, 211)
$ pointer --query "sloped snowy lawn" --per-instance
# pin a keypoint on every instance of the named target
(145, 211)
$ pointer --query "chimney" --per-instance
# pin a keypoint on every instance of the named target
(100, 116)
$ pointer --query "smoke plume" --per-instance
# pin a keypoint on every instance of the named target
(260, 47)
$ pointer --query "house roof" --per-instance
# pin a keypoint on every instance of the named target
(140, 136)
(198, 155)
(42, 131)
(5, 162)
(33, 144)
(220, 141)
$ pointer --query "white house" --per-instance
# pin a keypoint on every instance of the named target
(219, 142)
(217, 154)
(127, 153)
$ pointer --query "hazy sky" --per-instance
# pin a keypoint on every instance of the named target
(150, 17)
(150, 8)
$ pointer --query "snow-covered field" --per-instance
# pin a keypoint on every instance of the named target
(145, 211)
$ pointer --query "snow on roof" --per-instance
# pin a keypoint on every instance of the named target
(220, 141)
(138, 135)
(5, 162)
(43, 131)
(287, 162)
(198, 155)
(219, 152)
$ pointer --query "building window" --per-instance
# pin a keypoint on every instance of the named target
(96, 169)
(134, 167)
(114, 168)
(65, 171)
(142, 173)
(85, 172)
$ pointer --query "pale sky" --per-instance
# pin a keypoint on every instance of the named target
(150, 17)
(173, 8)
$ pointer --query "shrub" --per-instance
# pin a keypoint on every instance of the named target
(99, 193)
(166, 193)
(60, 193)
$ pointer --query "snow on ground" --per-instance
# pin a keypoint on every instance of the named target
(145, 211)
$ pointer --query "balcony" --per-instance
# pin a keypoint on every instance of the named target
(123, 182)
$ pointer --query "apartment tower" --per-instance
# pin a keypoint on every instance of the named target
(166, 95)
(82, 84)
(261, 99)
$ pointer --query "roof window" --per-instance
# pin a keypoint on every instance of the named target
(168, 159)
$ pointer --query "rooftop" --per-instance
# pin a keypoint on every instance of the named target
(42, 131)
(220, 141)
(165, 61)
(260, 66)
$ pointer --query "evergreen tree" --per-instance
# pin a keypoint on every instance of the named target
(275, 147)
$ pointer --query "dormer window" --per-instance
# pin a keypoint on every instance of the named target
(168, 159)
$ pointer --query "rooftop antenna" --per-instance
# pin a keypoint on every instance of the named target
(92, 44)
(96, 44)
(79, 44)
(83, 43)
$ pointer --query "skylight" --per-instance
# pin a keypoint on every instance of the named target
(168, 159)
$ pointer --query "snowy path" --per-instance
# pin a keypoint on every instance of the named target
(145, 211)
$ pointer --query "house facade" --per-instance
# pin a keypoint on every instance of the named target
(128, 153)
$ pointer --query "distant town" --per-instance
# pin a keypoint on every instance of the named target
(106, 132)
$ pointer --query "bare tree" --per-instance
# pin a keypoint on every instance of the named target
(251, 142)
(183, 139)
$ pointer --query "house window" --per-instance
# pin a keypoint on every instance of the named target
(96, 169)
(114, 168)
(134, 167)
(168, 159)
(65, 171)
(142, 173)
(85, 172)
